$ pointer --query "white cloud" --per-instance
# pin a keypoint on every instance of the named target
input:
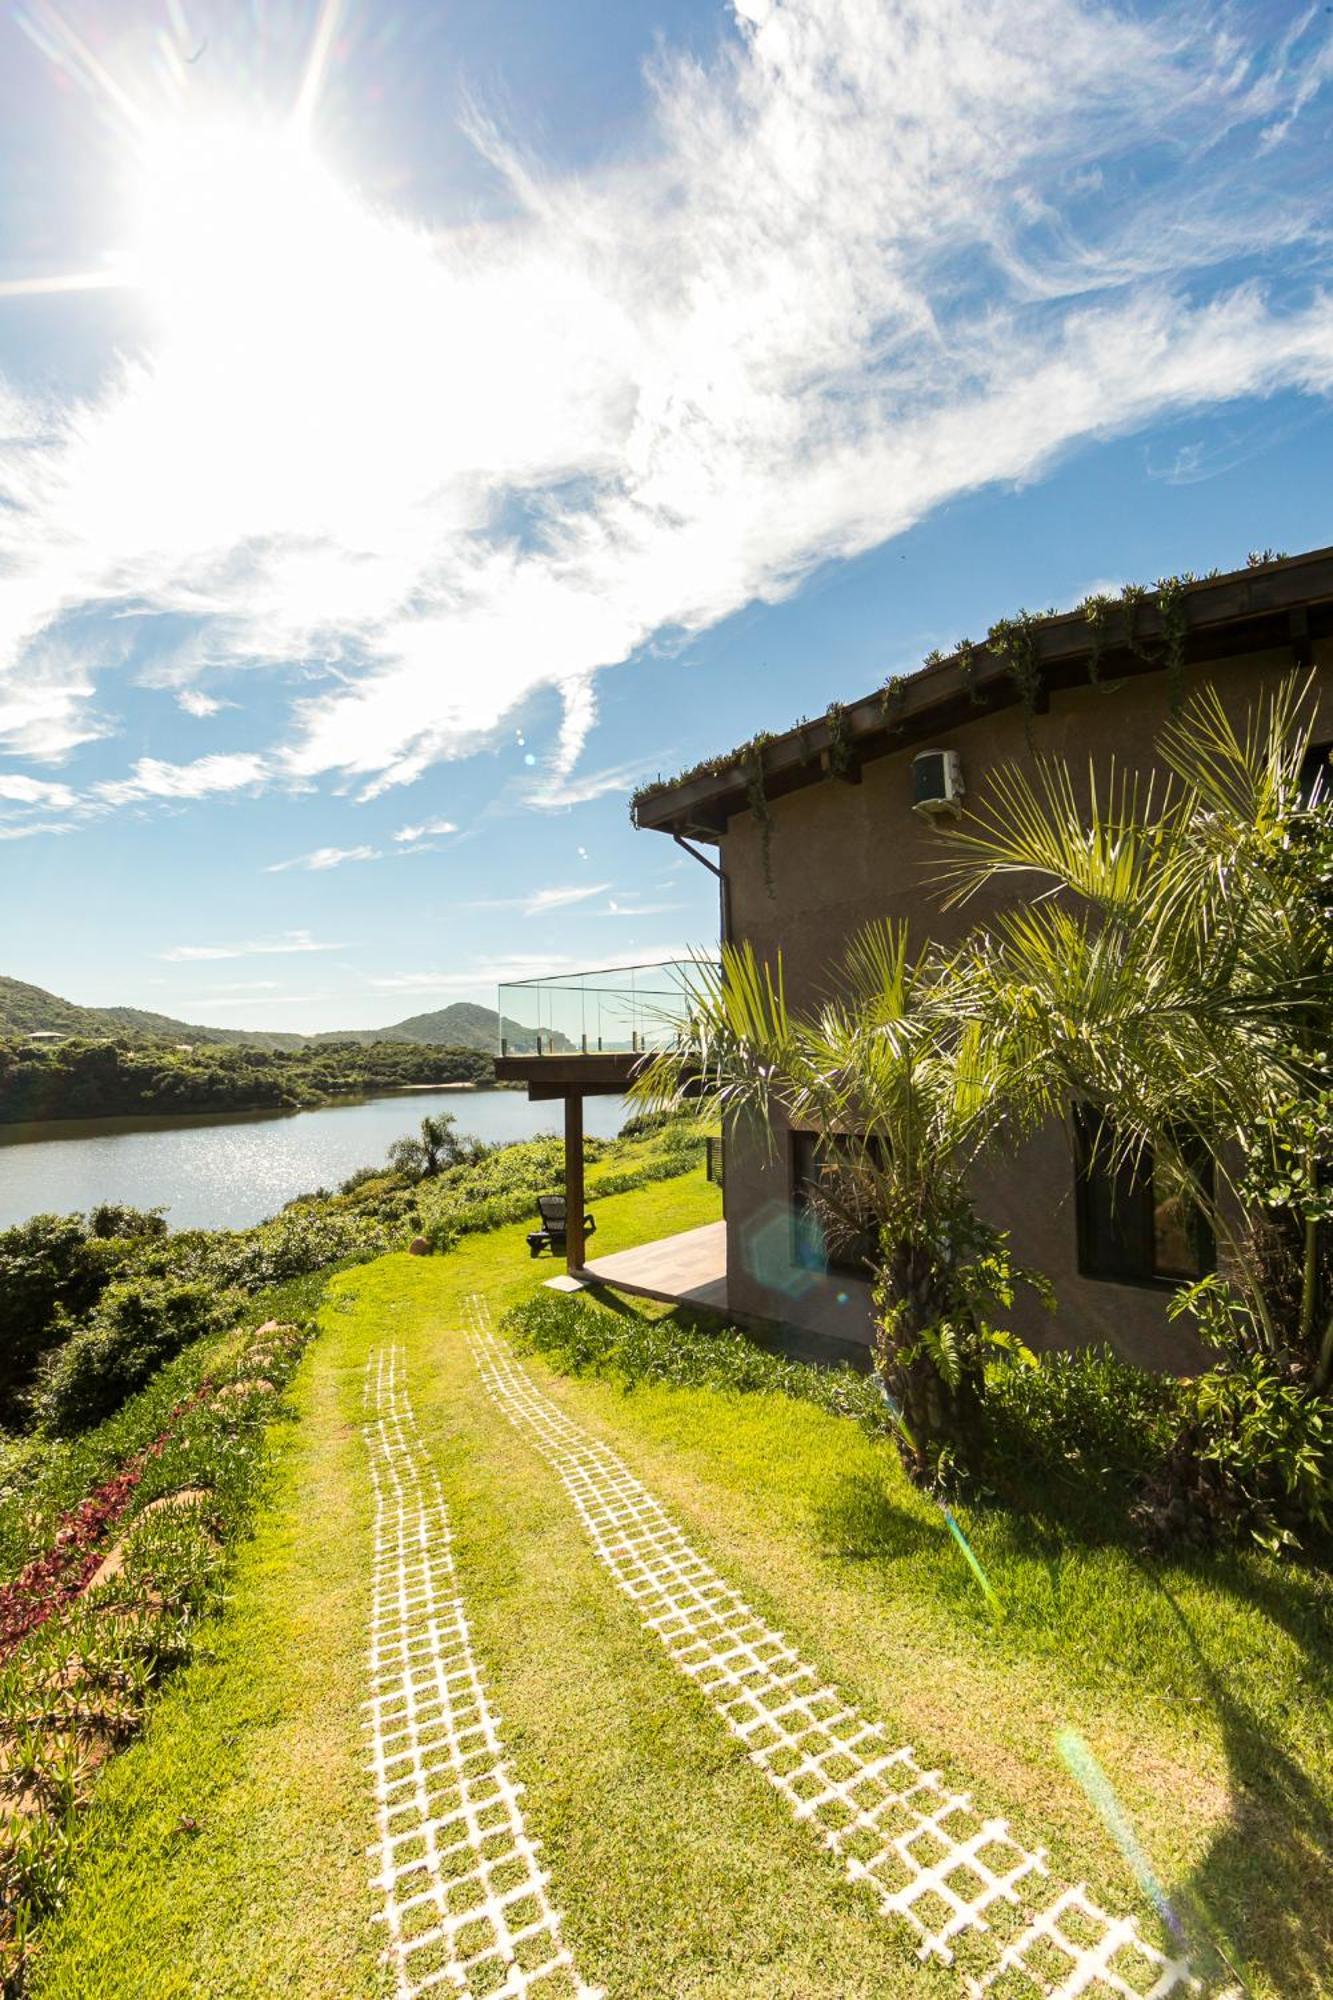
(427, 827)
(150, 778)
(325, 857)
(539, 902)
(868, 260)
(555, 793)
(288, 943)
(34, 791)
(195, 702)
(27, 828)
(614, 909)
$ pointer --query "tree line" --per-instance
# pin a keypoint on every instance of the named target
(119, 1077)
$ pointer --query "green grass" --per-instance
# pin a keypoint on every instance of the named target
(225, 1853)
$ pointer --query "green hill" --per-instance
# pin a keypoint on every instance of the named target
(463, 1025)
(28, 1010)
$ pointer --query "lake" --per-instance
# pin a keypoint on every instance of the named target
(225, 1173)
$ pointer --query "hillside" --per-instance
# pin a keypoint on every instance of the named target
(463, 1025)
(27, 1010)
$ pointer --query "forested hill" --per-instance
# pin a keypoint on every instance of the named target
(107, 1079)
(27, 1010)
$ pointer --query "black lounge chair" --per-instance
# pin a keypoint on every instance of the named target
(551, 1236)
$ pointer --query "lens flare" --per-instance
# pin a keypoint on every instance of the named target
(1094, 1781)
(988, 1591)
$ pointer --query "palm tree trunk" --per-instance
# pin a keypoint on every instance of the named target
(939, 1418)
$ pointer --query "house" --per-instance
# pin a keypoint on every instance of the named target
(817, 831)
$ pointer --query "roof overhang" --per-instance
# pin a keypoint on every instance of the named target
(1286, 603)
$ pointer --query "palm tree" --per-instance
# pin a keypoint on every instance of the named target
(900, 1104)
(437, 1147)
(1172, 970)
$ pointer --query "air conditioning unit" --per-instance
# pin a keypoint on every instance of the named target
(937, 782)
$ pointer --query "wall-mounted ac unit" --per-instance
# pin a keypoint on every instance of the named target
(937, 782)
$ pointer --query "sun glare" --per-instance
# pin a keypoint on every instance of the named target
(229, 220)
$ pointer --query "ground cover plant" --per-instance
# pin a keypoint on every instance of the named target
(106, 1591)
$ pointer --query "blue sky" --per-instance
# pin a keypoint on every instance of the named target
(417, 424)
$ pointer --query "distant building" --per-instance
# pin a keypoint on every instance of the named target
(47, 1036)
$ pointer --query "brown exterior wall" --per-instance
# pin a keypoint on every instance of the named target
(842, 855)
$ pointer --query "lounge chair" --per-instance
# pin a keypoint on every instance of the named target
(551, 1236)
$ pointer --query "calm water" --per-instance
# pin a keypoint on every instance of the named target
(223, 1173)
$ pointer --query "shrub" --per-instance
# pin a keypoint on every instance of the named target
(48, 1267)
(1085, 1414)
(298, 1241)
(135, 1327)
(1252, 1458)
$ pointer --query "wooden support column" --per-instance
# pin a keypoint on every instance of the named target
(574, 1180)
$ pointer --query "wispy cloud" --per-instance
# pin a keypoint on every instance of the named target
(290, 942)
(539, 902)
(614, 909)
(26, 829)
(151, 778)
(425, 830)
(554, 793)
(321, 858)
(868, 259)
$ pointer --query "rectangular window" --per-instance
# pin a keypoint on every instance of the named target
(1131, 1226)
(820, 1243)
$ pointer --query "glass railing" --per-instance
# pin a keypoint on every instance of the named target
(624, 1010)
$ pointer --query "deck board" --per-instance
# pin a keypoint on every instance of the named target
(688, 1269)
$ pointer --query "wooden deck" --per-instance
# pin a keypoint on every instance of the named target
(689, 1269)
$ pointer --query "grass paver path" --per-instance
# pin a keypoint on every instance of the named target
(465, 1899)
(924, 1851)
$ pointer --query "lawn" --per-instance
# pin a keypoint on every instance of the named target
(226, 1852)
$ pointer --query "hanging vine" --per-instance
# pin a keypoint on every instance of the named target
(756, 797)
(1096, 611)
(1134, 597)
(892, 702)
(966, 655)
(807, 748)
(1171, 606)
(840, 754)
(1012, 640)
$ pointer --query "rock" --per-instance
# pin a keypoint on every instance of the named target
(418, 1247)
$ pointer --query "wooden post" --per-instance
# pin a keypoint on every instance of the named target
(574, 1180)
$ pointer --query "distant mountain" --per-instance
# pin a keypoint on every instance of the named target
(28, 1010)
(463, 1025)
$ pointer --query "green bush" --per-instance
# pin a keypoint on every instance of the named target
(294, 1243)
(135, 1327)
(49, 1267)
(1252, 1459)
(1085, 1414)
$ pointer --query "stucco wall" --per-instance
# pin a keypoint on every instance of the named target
(844, 854)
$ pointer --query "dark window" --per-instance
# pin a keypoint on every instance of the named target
(1131, 1225)
(824, 1239)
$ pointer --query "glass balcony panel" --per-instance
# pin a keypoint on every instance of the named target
(622, 1010)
